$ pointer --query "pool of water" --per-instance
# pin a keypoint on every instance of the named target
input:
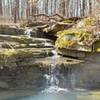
(49, 96)
(44, 95)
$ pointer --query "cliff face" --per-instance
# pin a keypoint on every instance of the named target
(30, 77)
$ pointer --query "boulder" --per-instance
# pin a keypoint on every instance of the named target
(81, 38)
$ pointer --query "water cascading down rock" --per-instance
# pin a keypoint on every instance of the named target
(52, 80)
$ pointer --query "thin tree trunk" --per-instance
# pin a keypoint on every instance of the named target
(63, 7)
(51, 7)
(16, 10)
(27, 9)
(55, 6)
(83, 10)
(1, 8)
(34, 7)
(46, 6)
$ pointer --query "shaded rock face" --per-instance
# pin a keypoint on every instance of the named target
(71, 74)
(35, 32)
(22, 78)
(85, 75)
(88, 76)
(32, 77)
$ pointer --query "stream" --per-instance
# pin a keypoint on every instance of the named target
(53, 96)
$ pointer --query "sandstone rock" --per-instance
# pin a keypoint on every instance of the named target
(9, 41)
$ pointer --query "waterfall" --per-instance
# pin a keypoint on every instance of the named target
(28, 32)
(52, 81)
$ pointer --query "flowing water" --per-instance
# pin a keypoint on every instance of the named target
(53, 89)
(28, 32)
(52, 80)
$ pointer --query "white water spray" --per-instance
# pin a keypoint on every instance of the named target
(28, 32)
(51, 78)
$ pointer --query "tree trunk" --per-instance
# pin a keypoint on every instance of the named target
(27, 9)
(34, 7)
(1, 8)
(83, 10)
(63, 7)
(16, 11)
(51, 7)
(55, 6)
(46, 6)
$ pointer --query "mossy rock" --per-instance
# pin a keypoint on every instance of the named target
(78, 41)
(89, 21)
(86, 23)
(68, 21)
(7, 59)
(80, 36)
(70, 38)
(10, 58)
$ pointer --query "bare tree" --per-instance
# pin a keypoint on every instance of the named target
(1, 7)
(34, 7)
(55, 7)
(63, 7)
(46, 6)
(16, 11)
(20, 9)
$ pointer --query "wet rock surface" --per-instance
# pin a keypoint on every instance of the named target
(21, 77)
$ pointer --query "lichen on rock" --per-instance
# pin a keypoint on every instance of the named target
(70, 38)
(81, 36)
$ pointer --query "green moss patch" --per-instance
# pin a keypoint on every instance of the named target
(70, 38)
(81, 36)
(68, 21)
(89, 21)
(9, 58)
